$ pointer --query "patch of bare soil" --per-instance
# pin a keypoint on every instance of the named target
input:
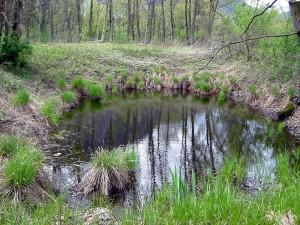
(25, 121)
(293, 124)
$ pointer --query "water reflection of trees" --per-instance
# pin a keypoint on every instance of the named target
(182, 135)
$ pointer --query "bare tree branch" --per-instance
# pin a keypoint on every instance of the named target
(257, 15)
(242, 41)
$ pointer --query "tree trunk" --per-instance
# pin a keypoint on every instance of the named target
(129, 18)
(193, 26)
(172, 20)
(163, 35)
(2, 15)
(91, 20)
(79, 21)
(16, 22)
(105, 26)
(295, 12)
(186, 14)
(44, 5)
(149, 29)
(51, 17)
(137, 19)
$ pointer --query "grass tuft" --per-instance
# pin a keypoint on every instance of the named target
(203, 86)
(78, 83)
(23, 167)
(9, 145)
(125, 160)
(95, 90)
(21, 98)
(68, 97)
(61, 83)
(49, 110)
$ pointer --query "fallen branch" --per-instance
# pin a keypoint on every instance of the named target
(242, 41)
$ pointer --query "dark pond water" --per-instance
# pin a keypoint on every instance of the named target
(184, 133)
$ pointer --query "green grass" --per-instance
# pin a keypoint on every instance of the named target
(21, 98)
(219, 202)
(252, 89)
(116, 158)
(50, 111)
(274, 90)
(157, 80)
(95, 90)
(292, 92)
(10, 144)
(23, 167)
(68, 97)
(123, 72)
(203, 86)
(221, 97)
(78, 83)
(55, 211)
(61, 83)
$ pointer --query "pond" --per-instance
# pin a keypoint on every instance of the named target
(184, 133)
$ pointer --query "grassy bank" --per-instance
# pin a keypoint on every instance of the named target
(216, 200)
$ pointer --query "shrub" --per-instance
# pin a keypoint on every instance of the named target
(203, 86)
(21, 98)
(61, 83)
(49, 110)
(9, 145)
(14, 50)
(291, 92)
(95, 90)
(78, 83)
(252, 89)
(68, 96)
(23, 167)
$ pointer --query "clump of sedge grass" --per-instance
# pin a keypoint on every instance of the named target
(274, 90)
(68, 96)
(22, 178)
(21, 98)
(252, 89)
(49, 110)
(61, 83)
(78, 83)
(9, 145)
(203, 86)
(23, 167)
(95, 90)
(221, 97)
(291, 92)
(109, 172)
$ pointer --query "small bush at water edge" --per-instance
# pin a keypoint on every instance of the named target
(203, 86)
(49, 110)
(95, 90)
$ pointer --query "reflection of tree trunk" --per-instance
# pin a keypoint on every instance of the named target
(209, 141)
(111, 134)
(134, 121)
(193, 142)
(127, 125)
(151, 153)
(184, 140)
(158, 146)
